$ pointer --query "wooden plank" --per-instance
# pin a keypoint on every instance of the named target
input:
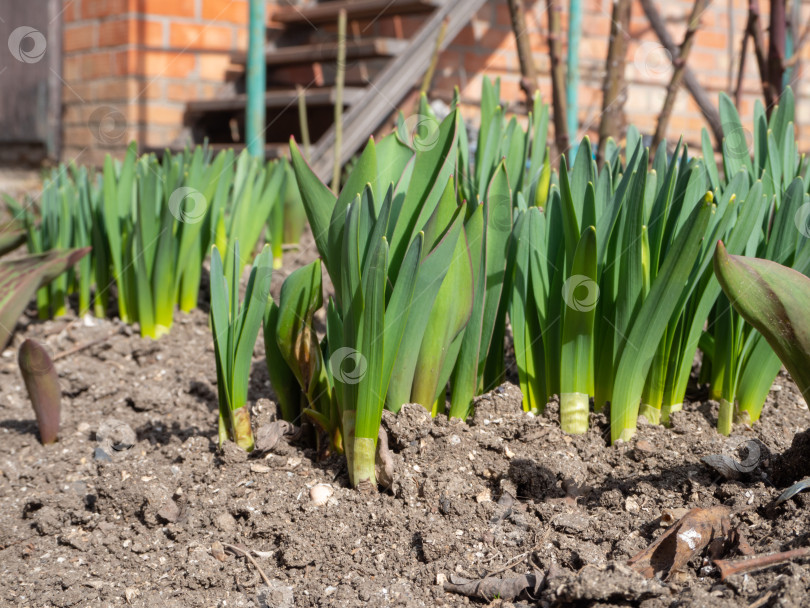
(327, 51)
(313, 14)
(391, 85)
(275, 99)
(30, 94)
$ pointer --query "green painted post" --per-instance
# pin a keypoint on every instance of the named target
(572, 80)
(256, 74)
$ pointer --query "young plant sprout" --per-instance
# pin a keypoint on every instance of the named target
(235, 329)
(150, 223)
(42, 384)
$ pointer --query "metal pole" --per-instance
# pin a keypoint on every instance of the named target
(572, 80)
(256, 74)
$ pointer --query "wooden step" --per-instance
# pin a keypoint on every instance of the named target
(327, 51)
(275, 99)
(310, 14)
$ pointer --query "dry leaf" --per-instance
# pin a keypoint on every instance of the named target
(488, 589)
(673, 549)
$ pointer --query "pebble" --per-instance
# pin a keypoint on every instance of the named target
(169, 512)
(100, 455)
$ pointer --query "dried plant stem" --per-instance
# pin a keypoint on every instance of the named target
(614, 92)
(85, 345)
(528, 72)
(730, 567)
(434, 60)
(251, 560)
(339, 79)
(557, 77)
(679, 63)
(302, 119)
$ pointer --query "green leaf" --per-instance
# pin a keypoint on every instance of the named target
(773, 299)
(649, 324)
(20, 279)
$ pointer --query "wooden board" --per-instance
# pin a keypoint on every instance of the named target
(276, 99)
(327, 51)
(310, 14)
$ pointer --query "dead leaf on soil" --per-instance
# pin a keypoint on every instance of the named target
(488, 589)
(267, 436)
(384, 465)
(673, 549)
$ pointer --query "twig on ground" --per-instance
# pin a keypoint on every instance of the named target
(515, 561)
(246, 553)
(730, 567)
(81, 347)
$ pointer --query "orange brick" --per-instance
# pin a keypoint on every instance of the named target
(200, 37)
(502, 16)
(162, 114)
(76, 91)
(72, 68)
(466, 37)
(131, 31)
(213, 67)
(159, 136)
(708, 40)
(497, 61)
(498, 40)
(118, 89)
(96, 65)
(70, 11)
(233, 11)
(241, 39)
(165, 64)
(597, 26)
(510, 91)
(182, 92)
(175, 8)
(93, 9)
(81, 37)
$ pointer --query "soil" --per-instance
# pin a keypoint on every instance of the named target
(135, 503)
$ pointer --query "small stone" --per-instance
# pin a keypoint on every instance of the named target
(570, 522)
(100, 455)
(115, 435)
(631, 505)
(169, 512)
(260, 468)
(320, 493)
(441, 579)
(218, 551)
(226, 522)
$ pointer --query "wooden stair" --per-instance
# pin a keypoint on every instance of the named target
(301, 54)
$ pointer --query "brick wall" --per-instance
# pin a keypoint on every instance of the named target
(130, 65)
(487, 46)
